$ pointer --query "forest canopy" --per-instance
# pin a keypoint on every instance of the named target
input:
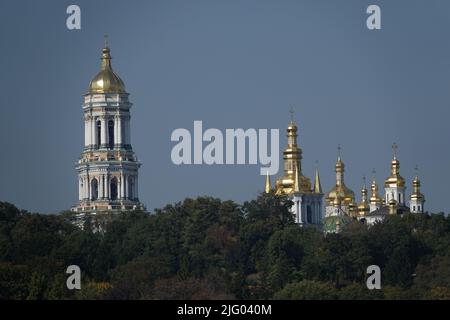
(206, 248)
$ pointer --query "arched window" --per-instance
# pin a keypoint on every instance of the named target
(94, 188)
(98, 132)
(114, 188)
(111, 134)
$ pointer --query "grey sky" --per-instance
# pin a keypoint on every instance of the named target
(231, 64)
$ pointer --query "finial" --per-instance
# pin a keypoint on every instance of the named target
(394, 149)
(268, 186)
(374, 172)
(106, 41)
(291, 111)
(416, 170)
(339, 151)
(364, 181)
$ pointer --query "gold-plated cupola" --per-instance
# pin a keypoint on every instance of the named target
(106, 81)
(395, 179)
(340, 190)
(292, 157)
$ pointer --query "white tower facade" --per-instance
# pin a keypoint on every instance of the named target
(417, 199)
(107, 168)
(394, 186)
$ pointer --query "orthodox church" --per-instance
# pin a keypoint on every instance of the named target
(307, 208)
(107, 168)
(340, 202)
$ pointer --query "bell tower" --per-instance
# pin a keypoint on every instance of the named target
(107, 168)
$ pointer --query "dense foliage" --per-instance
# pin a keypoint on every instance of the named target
(208, 249)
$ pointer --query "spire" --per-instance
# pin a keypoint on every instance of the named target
(394, 150)
(339, 168)
(364, 191)
(374, 197)
(317, 185)
(292, 112)
(395, 164)
(106, 56)
(395, 180)
(296, 178)
(268, 186)
(363, 207)
(416, 195)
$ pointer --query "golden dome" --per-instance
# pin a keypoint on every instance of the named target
(416, 194)
(340, 190)
(337, 201)
(106, 81)
(343, 193)
(395, 179)
(293, 180)
(374, 197)
(363, 206)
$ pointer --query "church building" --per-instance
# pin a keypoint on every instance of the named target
(307, 208)
(107, 168)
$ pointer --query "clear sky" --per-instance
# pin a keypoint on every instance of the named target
(231, 64)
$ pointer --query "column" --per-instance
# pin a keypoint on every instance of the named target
(127, 187)
(136, 195)
(85, 188)
(79, 188)
(107, 186)
(119, 130)
(122, 186)
(89, 188)
(93, 132)
(104, 131)
(116, 130)
(86, 131)
(100, 186)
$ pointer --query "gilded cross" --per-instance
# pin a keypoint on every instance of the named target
(394, 148)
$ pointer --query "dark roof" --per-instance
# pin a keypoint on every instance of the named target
(384, 211)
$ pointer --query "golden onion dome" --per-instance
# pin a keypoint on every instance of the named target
(395, 179)
(106, 81)
(375, 198)
(416, 182)
(337, 201)
(416, 194)
(340, 190)
(363, 206)
(346, 195)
